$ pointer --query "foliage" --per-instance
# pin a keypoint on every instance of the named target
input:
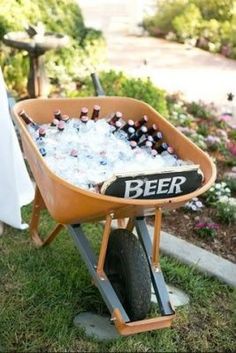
(216, 192)
(200, 109)
(161, 23)
(211, 24)
(118, 84)
(206, 229)
(63, 17)
(219, 9)
(194, 205)
(187, 24)
(226, 210)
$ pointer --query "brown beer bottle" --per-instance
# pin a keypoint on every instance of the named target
(96, 111)
(130, 132)
(84, 119)
(116, 117)
(117, 126)
(130, 123)
(83, 112)
(141, 132)
(28, 120)
(141, 122)
(157, 136)
(152, 129)
(57, 115)
(133, 144)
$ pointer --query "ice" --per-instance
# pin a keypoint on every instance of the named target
(87, 152)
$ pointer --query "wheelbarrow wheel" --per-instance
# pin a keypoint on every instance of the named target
(127, 269)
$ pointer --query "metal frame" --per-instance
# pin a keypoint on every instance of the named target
(95, 266)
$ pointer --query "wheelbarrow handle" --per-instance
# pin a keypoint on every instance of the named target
(97, 85)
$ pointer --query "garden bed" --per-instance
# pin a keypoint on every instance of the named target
(208, 222)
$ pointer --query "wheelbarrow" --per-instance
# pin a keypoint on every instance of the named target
(127, 264)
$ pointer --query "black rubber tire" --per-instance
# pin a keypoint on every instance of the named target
(127, 268)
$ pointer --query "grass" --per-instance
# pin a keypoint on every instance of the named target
(41, 291)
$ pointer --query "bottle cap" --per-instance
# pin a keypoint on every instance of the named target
(118, 124)
(143, 129)
(130, 122)
(148, 144)
(84, 110)
(97, 107)
(42, 151)
(154, 153)
(118, 115)
(74, 152)
(133, 144)
(150, 138)
(42, 131)
(170, 150)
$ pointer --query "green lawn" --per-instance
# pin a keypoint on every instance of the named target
(41, 291)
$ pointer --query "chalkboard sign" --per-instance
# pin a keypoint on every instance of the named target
(166, 183)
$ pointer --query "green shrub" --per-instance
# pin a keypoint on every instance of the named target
(63, 17)
(212, 23)
(118, 84)
(219, 9)
(187, 24)
(167, 10)
(226, 211)
(199, 109)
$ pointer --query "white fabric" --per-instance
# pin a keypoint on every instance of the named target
(16, 188)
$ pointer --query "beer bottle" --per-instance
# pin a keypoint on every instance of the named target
(117, 126)
(141, 122)
(28, 120)
(152, 129)
(131, 132)
(43, 151)
(130, 123)
(96, 111)
(133, 144)
(25, 117)
(147, 145)
(141, 132)
(116, 117)
(153, 152)
(57, 115)
(84, 119)
(148, 139)
(74, 153)
(83, 112)
(42, 132)
(61, 125)
(157, 136)
(161, 148)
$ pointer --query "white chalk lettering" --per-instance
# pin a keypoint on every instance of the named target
(133, 188)
(175, 184)
(163, 186)
(150, 187)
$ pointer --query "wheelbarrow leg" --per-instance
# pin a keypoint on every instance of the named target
(38, 206)
(152, 252)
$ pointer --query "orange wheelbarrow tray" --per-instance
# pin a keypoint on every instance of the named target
(71, 206)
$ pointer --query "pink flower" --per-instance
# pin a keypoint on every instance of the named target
(232, 148)
(225, 117)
